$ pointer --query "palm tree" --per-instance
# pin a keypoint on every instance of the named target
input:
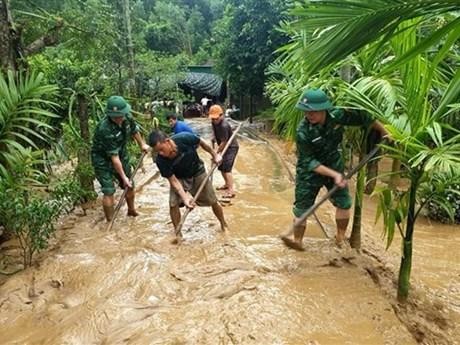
(418, 37)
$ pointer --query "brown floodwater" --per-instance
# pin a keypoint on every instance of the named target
(132, 286)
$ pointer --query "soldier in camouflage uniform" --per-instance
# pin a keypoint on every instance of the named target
(320, 162)
(109, 153)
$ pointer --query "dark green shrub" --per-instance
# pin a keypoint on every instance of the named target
(29, 206)
(438, 211)
(441, 196)
(69, 193)
(31, 219)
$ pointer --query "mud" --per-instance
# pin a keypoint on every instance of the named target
(132, 286)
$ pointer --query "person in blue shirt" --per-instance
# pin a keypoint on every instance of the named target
(178, 126)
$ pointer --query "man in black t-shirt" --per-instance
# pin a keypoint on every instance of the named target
(179, 162)
(222, 132)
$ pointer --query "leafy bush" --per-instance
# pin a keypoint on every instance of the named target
(30, 219)
(438, 211)
(442, 197)
(268, 113)
(27, 210)
(69, 193)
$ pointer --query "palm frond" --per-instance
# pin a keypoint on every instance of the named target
(24, 111)
(341, 27)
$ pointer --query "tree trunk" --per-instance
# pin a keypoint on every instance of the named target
(373, 138)
(250, 108)
(241, 106)
(406, 259)
(355, 237)
(372, 173)
(8, 37)
(395, 173)
(50, 39)
(84, 161)
(130, 48)
(228, 94)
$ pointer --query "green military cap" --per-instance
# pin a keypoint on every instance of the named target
(117, 107)
(313, 100)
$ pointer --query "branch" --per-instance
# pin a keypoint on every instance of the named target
(50, 39)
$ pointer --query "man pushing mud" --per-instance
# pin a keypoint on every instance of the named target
(320, 162)
(109, 153)
(179, 162)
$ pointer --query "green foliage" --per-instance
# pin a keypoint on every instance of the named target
(31, 220)
(160, 75)
(158, 121)
(68, 191)
(91, 52)
(393, 207)
(442, 197)
(319, 54)
(334, 24)
(284, 91)
(174, 28)
(266, 113)
(29, 206)
(204, 54)
(23, 114)
(72, 142)
(24, 210)
(245, 39)
(412, 88)
(22, 170)
(64, 68)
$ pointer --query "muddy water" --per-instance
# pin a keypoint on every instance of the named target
(132, 286)
(437, 260)
(435, 266)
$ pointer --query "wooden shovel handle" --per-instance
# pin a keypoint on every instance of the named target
(178, 230)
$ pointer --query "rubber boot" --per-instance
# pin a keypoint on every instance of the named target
(108, 211)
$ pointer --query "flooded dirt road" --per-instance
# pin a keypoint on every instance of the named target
(132, 286)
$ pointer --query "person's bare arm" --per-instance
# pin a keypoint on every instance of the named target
(338, 178)
(140, 141)
(378, 126)
(116, 162)
(177, 186)
(205, 146)
(221, 146)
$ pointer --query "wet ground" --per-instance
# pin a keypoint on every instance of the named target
(132, 286)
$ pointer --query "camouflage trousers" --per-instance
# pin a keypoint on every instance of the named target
(307, 188)
(106, 174)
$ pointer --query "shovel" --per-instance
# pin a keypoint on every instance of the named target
(178, 230)
(285, 237)
(122, 198)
